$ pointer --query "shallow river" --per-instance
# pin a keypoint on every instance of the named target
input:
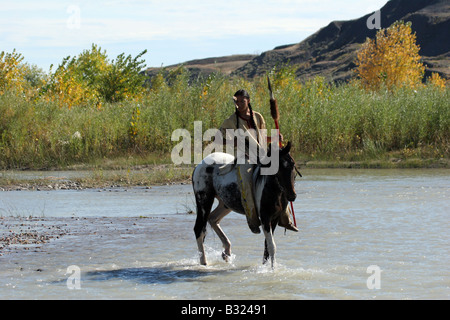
(364, 234)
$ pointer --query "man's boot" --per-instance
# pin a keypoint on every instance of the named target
(286, 222)
(253, 222)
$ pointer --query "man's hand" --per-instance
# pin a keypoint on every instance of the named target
(269, 138)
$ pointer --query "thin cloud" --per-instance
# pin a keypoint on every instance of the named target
(49, 24)
(143, 20)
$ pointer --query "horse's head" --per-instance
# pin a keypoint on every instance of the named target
(286, 171)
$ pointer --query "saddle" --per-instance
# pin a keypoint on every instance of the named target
(227, 168)
(225, 162)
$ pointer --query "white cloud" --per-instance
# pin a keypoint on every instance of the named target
(49, 24)
(135, 20)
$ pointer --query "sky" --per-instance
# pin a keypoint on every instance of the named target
(172, 31)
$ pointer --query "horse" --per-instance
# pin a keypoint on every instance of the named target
(272, 194)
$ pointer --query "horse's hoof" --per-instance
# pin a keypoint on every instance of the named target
(225, 257)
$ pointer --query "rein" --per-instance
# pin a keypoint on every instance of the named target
(298, 172)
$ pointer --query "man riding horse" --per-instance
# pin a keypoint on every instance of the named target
(252, 123)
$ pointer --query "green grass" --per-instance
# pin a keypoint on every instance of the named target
(326, 123)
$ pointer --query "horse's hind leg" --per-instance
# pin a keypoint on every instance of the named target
(200, 233)
(214, 219)
(204, 203)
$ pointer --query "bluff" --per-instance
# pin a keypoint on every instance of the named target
(331, 51)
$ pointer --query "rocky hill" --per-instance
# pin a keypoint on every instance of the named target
(331, 51)
(204, 67)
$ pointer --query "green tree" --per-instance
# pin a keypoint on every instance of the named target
(92, 78)
(91, 65)
(123, 79)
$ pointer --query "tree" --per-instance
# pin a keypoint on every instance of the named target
(391, 59)
(90, 78)
(90, 65)
(122, 79)
(436, 80)
(11, 71)
(68, 87)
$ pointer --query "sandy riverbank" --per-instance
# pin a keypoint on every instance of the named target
(31, 234)
(143, 176)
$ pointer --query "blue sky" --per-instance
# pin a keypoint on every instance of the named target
(172, 31)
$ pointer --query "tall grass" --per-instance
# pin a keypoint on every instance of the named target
(324, 121)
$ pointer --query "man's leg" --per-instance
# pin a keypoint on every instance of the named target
(245, 173)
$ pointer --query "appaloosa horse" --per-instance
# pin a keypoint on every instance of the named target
(271, 192)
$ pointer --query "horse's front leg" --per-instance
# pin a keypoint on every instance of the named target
(214, 219)
(266, 252)
(269, 244)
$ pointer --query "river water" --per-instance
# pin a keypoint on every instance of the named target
(364, 234)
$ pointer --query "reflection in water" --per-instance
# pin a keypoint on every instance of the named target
(160, 275)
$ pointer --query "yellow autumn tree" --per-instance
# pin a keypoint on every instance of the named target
(12, 71)
(75, 81)
(392, 59)
(436, 80)
(66, 88)
(91, 78)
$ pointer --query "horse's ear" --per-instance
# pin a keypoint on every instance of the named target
(286, 149)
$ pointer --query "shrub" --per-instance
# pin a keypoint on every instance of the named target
(436, 80)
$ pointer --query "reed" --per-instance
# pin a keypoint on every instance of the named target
(324, 121)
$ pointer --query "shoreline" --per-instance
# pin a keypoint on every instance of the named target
(158, 175)
(168, 174)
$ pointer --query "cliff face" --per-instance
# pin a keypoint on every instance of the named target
(331, 51)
